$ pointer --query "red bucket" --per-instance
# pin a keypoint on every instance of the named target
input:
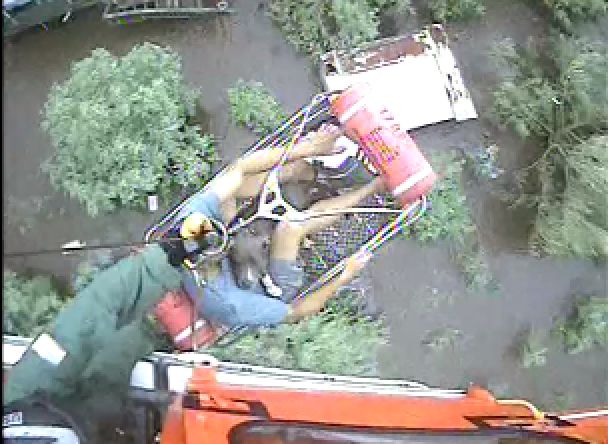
(179, 318)
(391, 150)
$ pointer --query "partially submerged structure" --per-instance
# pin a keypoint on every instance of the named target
(126, 11)
(416, 76)
(19, 15)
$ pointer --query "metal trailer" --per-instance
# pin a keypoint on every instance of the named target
(19, 15)
(120, 11)
(416, 76)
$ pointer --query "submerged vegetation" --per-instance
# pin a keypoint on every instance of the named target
(449, 219)
(122, 129)
(253, 106)
(30, 305)
(567, 13)
(576, 222)
(315, 27)
(532, 351)
(441, 339)
(583, 328)
(456, 10)
(586, 326)
(337, 341)
(557, 97)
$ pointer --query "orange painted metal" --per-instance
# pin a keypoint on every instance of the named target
(173, 426)
(214, 411)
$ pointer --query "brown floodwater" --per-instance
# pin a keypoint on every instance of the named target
(417, 286)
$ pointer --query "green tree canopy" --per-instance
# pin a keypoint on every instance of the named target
(315, 27)
(253, 106)
(29, 305)
(557, 97)
(121, 129)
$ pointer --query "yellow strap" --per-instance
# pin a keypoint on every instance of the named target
(538, 415)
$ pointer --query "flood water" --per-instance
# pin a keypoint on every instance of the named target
(418, 287)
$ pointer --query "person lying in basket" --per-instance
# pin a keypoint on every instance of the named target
(221, 300)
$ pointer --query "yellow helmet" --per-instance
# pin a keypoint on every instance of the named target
(195, 225)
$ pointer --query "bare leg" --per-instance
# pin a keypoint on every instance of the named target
(288, 235)
(228, 209)
(297, 170)
(264, 160)
(230, 184)
(251, 185)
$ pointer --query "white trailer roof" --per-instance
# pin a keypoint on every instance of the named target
(415, 77)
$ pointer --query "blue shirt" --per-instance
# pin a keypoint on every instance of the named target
(222, 301)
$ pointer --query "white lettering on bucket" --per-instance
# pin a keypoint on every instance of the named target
(411, 181)
(188, 331)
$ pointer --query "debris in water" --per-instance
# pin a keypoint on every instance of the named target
(532, 350)
(441, 338)
(72, 245)
(153, 203)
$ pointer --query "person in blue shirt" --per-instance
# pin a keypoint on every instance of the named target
(221, 300)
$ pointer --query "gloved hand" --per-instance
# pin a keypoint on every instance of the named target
(187, 238)
(175, 250)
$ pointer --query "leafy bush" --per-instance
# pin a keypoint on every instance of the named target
(315, 27)
(449, 219)
(470, 260)
(334, 342)
(555, 92)
(525, 106)
(356, 22)
(559, 100)
(452, 10)
(253, 106)
(30, 305)
(302, 23)
(586, 326)
(121, 129)
(532, 351)
(577, 222)
(523, 101)
(567, 12)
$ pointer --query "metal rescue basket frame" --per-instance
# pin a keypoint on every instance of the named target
(368, 227)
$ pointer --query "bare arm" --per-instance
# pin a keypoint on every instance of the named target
(226, 185)
(313, 303)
